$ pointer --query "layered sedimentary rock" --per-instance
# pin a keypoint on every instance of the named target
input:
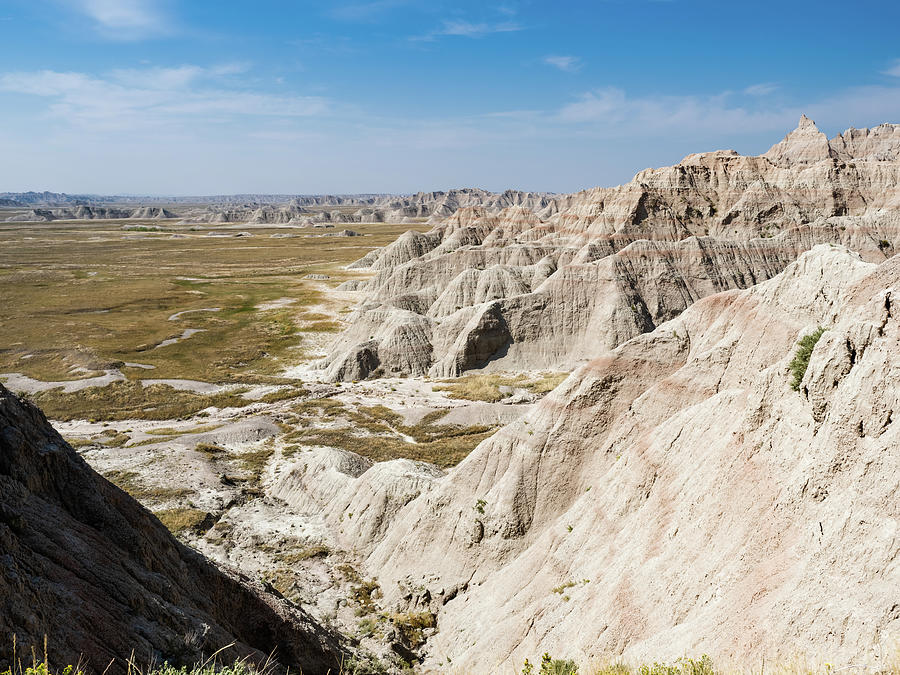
(676, 496)
(92, 213)
(544, 289)
(85, 565)
(432, 206)
(331, 483)
(276, 209)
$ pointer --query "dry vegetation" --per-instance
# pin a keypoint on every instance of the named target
(378, 433)
(129, 482)
(89, 296)
(131, 400)
(181, 520)
(495, 387)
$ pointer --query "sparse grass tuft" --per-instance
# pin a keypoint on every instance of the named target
(444, 452)
(183, 520)
(308, 553)
(411, 626)
(255, 461)
(487, 387)
(210, 450)
(285, 394)
(128, 481)
(800, 362)
(131, 400)
(363, 592)
(563, 587)
(377, 432)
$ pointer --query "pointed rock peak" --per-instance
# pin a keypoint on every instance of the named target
(806, 123)
(804, 145)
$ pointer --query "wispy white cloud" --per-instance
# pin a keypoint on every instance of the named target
(761, 89)
(180, 129)
(893, 69)
(365, 11)
(131, 99)
(126, 19)
(613, 110)
(460, 28)
(567, 64)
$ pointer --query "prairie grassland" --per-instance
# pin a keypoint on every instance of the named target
(82, 297)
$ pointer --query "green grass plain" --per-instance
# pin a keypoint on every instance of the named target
(89, 296)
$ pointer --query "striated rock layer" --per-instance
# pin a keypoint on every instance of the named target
(676, 496)
(85, 565)
(545, 288)
(430, 206)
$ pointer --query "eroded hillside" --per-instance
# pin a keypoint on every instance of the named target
(676, 495)
(527, 288)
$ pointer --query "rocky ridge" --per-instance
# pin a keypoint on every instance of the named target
(430, 206)
(532, 289)
(84, 564)
(676, 496)
(83, 212)
(274, 209)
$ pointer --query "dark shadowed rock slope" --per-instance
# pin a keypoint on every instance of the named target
(86, 565)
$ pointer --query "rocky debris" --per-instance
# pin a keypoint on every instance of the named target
(676, 496)
(594, 269)
(85, 565)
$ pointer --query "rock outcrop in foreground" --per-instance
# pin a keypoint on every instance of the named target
(676, 496)
(84, 564)
(528, 288)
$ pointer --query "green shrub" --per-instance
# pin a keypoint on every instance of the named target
(551, 666)
(683, 666)
(800, 362)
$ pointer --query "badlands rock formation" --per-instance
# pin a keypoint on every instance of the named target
(525, 288)
(676, 496)
(274, 209)
(92, 213)
(435, 206)
(84, 564)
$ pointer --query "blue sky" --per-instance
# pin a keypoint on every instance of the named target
(202, 97)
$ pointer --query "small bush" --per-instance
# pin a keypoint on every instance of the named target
(800, 362)
(551, 666)
(683, 666)
(411, 625)
(563, 587)
(308, 553)
(367, 627)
